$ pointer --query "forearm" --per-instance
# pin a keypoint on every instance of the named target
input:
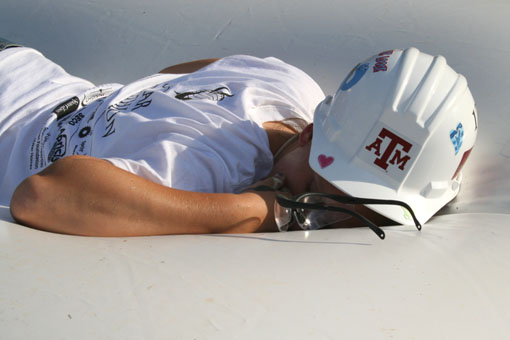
(87, 196)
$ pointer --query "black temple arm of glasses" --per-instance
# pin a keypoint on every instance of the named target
(343, 199)
(299, 205)
(360, 200)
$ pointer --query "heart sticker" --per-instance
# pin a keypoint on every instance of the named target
(325, 161)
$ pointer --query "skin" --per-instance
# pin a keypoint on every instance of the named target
(300, 178)
(81, 195)
(188, 67)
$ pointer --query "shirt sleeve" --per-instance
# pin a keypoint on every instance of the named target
(278, 90)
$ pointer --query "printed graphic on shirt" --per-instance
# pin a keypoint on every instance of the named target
(59, 148)
(63, 137)
(95, 94)
(67, 107)
(55, 138)
(70, 139)
(37, 159)
(216, 95)
(72, 132)
(139, 100)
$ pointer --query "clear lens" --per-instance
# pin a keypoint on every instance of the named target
(283, 216)
(311, 219)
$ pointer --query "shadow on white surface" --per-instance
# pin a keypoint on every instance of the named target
(5, 215)
(288, 239)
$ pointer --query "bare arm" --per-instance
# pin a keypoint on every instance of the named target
(188, 67)
(82, 195)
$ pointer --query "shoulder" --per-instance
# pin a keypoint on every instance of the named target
(249, 63)
(290, 78)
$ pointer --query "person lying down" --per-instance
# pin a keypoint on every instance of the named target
(233, 145)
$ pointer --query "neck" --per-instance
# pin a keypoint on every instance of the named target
(285, 145)
(280, 136)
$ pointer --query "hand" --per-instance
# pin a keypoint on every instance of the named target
(267, 189)
(274, 183)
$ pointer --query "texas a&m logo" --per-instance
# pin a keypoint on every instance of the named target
(390, 149)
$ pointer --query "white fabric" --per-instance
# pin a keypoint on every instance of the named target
(29, 85)
(200, 132)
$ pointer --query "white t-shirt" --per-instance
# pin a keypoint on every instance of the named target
(200, 131)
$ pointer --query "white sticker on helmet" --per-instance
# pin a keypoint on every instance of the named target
(389, 152)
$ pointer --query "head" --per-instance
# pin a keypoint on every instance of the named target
(400, 127)
(301, 178)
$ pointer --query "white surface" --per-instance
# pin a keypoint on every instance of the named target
(447, 282)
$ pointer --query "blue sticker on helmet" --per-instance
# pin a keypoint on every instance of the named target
(356, 74)
(456, 136)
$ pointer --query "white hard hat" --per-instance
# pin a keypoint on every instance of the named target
(400, 127)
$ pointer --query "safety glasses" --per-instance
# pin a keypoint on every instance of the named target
(318, 210)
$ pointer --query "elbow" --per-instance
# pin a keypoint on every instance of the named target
(24, 201)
